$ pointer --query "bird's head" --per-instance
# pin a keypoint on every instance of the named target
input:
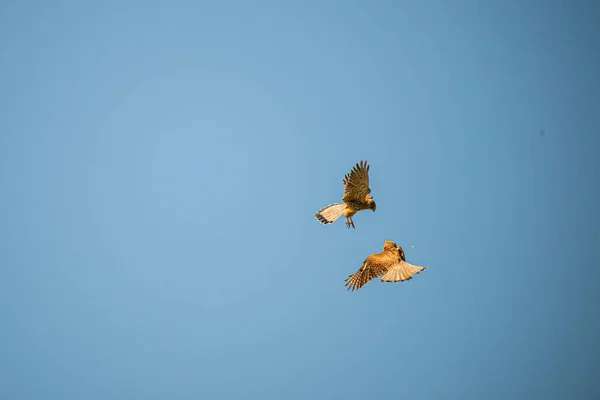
(372, 205)
(389, 245)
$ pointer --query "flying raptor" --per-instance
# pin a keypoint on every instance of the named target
(390, 264)
(357, 197)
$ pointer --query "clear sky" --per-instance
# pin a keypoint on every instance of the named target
(161, 162)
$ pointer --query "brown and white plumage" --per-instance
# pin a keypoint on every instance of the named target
(390, 264)
(357, 197)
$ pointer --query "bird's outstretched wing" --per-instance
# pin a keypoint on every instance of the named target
(374, 266)
(356, 183)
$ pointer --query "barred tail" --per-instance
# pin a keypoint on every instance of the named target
(402, 271)
(329, 214)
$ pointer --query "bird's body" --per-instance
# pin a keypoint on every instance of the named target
(357, 197)
(390, 264)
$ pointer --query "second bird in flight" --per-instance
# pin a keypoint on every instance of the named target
(357, 197)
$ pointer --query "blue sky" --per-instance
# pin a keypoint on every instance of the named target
(161, 162)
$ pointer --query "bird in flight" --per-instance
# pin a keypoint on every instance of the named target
(357, 197)
(390, 264)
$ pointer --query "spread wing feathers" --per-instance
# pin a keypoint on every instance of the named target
(401, 271)
(356, 183)
(329, 214)
(373, 267)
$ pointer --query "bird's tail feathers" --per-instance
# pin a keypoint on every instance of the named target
(329, 214)
(402, 271)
